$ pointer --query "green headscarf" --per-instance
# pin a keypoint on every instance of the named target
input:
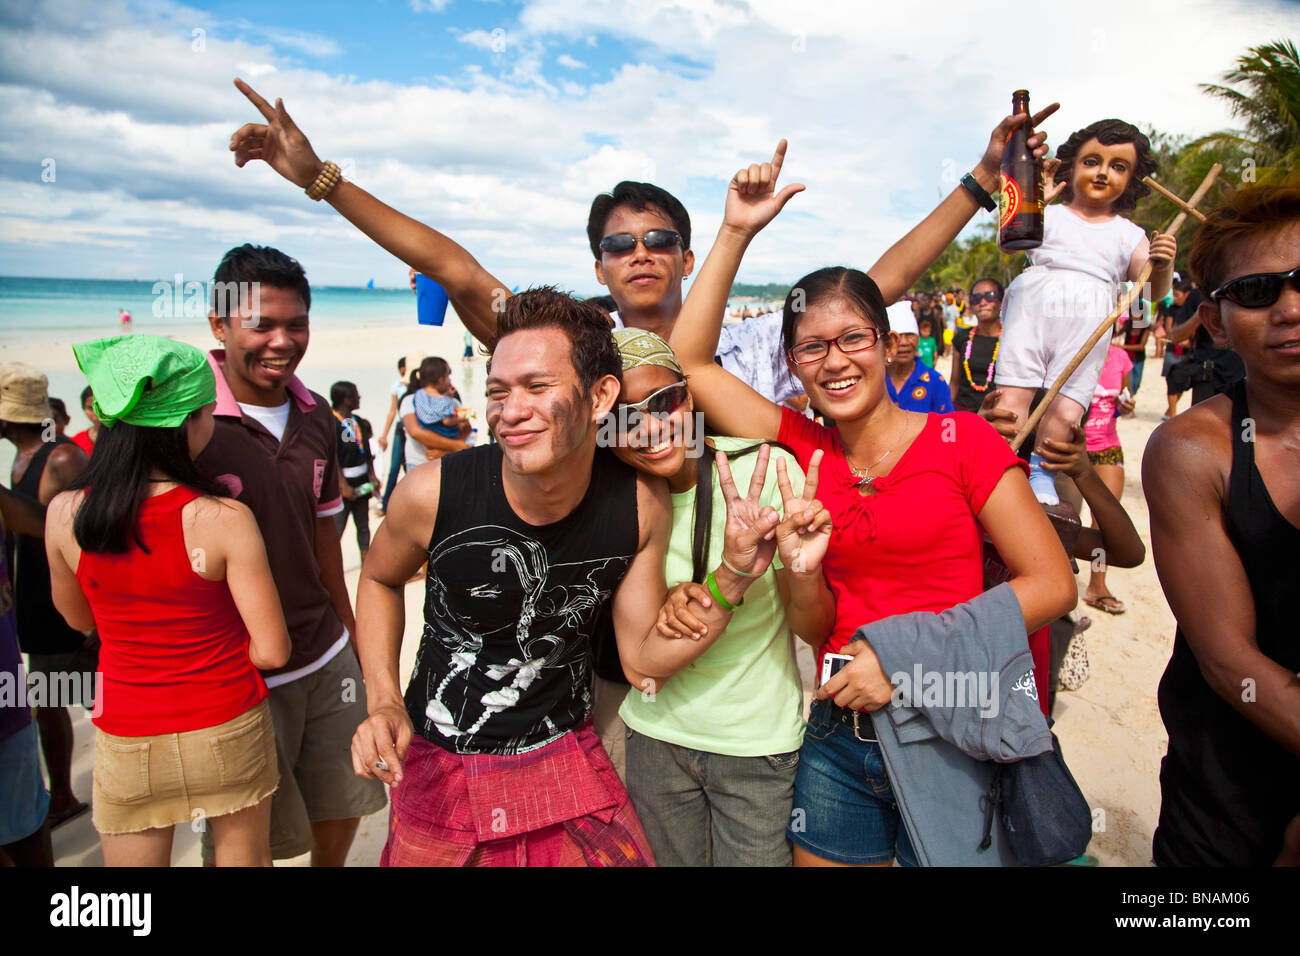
(639, 347)
(145, 379)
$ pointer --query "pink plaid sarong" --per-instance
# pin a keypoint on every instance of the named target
(560, 805)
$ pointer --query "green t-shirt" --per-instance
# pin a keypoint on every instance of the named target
(925, 348)
(742, 697)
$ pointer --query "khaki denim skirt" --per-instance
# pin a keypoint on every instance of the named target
(159, 781)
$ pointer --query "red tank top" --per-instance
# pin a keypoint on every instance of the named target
(175, 650)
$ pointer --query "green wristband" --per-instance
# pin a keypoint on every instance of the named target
(716, 591)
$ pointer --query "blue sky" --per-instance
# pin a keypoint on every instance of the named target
(497, 122)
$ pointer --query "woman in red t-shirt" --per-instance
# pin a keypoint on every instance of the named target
(174, 577)
(909, 494)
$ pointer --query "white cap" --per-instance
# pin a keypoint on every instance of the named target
(901, 319)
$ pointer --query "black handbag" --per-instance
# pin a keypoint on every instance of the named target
(1045, 819)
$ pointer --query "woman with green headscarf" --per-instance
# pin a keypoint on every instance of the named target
(712, 754)
(173, 574)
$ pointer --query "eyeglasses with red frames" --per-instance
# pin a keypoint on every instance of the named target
(814, 350)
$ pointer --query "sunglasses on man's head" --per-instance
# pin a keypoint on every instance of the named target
(1258, 290)
(977, 297)
(660, 404)
(626, 242)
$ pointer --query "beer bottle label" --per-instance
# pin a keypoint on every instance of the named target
(1008, 201)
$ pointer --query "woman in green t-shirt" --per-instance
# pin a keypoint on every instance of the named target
(712, 754)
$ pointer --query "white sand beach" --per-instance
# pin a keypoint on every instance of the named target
(1110, 730)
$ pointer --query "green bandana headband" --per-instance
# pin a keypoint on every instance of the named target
(639, 347)
(146, 380)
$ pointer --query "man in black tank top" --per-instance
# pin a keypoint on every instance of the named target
(1223, 485)
(44, 465)
(528, 541)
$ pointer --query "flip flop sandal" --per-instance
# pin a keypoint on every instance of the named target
(66, 815)
(1107, 602)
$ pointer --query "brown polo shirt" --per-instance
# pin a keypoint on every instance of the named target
(287, 484)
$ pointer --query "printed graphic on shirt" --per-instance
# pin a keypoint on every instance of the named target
(504, 663)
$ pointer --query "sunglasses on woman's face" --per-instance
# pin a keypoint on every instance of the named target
(1257, 291)
(977, 297)
(621, 242)
(660, 404)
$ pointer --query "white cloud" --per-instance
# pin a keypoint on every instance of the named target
(567, 61)
(429, 6)
(312, 44)
(495, 40)
(255, 69)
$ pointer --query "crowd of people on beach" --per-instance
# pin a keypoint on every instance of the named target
(665, 502)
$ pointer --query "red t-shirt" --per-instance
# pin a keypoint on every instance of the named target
(174, 651)
(83, 441)
(915, 545)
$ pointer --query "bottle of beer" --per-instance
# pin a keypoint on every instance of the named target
(1020, 220)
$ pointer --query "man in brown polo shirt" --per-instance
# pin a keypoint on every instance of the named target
(274, 447)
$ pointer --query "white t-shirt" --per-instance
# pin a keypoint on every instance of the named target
(1102, 250)
(273, 418)
(751, 351)
(416, 454)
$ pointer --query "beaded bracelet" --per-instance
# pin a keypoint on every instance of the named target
(325, 181)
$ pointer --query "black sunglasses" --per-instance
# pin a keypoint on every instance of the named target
(978, 297)
(626, 242)
(1258, 290)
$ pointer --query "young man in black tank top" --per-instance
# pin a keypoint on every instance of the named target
(491, 754)
(1223, 485)
(44, 465)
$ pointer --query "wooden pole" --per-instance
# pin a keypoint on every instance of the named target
(1173, 198)
(1109, 321)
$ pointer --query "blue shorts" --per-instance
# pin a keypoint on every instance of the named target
(844, 809)
(23, 798)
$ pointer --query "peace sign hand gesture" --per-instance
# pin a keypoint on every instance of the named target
(804, 534)
(278, 142)
(750, 538)
(751, 204)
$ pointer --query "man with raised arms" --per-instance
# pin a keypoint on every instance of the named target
(639, 234)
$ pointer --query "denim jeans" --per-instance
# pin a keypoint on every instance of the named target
(844, 803)
(706, 809)
(396, 459)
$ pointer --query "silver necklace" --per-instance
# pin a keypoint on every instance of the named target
(865, 478)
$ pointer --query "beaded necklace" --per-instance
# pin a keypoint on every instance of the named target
(993, 363)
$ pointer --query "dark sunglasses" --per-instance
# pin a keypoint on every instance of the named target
(978, 297)
(814, 350)
(1258, 290)
(659, 404)
(626, 242)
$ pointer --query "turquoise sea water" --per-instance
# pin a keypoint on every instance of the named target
(33, 310)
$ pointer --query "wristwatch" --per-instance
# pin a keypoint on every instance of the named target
(976, 190)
